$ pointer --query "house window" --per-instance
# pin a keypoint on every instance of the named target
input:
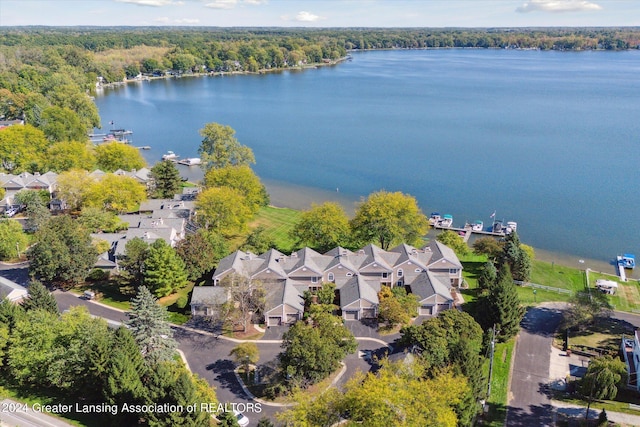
(453, 271)
(400, 272)
(331, 277)
(314, 289)
(385, 275)
(314, 279)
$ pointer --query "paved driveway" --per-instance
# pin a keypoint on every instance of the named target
(529, 405)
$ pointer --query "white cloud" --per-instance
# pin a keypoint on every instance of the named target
(154, 3)
(255, 2)
(558, 6)
(307, 17)
(186, 21)
(222, 4)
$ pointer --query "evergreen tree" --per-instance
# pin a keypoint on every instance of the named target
(265, 422)
(164, 270)
(150, 328)
(227, 419)
(517, 258)
(40, 298)
(124, 372)
(504, 306)
(166, 178)
(487, 276)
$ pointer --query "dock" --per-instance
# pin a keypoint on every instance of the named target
(621, 272)
(468, 231)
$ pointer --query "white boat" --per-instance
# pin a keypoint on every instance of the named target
(434, 218)
(446, 221)
(170, 156)
(477, 225)
(511, 227)
(191, 161)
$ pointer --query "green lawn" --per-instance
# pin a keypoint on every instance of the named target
(278, 222)
(497, 401)
(557, 276)
(626, 298)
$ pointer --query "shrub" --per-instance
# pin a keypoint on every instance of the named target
(182, 301)
(97, 275)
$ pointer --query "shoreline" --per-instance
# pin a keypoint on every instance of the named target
(291, 196)
(312, 66)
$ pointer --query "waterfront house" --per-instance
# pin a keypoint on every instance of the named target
(430, 273)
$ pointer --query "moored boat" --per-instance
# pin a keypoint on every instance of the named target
(170, 155)
(434, 218)
(446, 221)
(191, 161)
(627, 261)
(512, 226)
(477, 225)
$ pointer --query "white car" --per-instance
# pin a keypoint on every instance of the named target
(12, 211)
(243, 421)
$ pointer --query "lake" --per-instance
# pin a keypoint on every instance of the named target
(547, 139)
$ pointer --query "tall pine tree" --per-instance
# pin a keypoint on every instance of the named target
(487, 276)
(40, 298)
(150, 328)
(505, 310)
(167, 179)
(518, 260)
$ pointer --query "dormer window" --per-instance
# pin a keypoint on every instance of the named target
(400, 272)
(349, 274)
(331, 277)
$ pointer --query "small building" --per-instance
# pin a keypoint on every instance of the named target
(206, 300)
(12, 291)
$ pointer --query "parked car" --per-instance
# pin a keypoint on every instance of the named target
(242, 419)
(12, 211)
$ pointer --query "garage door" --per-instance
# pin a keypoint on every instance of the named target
(426, 310)
(351, 315)
(369, 313)
(274, 321)
(443, 307)
(292, 318)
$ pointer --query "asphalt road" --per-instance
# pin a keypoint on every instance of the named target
(529, 405)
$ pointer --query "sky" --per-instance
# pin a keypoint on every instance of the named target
(321, 13)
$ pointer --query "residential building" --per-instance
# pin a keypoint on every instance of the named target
(429, 273)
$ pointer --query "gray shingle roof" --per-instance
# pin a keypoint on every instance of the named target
(209, 295)
(358, 288)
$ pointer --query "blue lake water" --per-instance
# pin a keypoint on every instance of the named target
(548, 139)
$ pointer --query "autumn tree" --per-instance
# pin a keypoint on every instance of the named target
(112, 156)
(242, 179)
(220, 148)
(322, 228)
(68, 155)
(74, 186)
(244, 354)
(13, 241)
(62, 124)
(116, 193)
(164, 271)
(21, 149)
(389, 219)
(396, 307)
(453, 240)
(62, 252)
(222, 210)
(166, 178)
(96, 220)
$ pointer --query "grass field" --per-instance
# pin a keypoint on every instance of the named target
(626, 298)
(499, 384)
(278, 222)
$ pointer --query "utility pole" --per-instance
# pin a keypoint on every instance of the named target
(493, 347)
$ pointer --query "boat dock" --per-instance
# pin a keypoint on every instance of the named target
(468, 231)
(621, 272)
